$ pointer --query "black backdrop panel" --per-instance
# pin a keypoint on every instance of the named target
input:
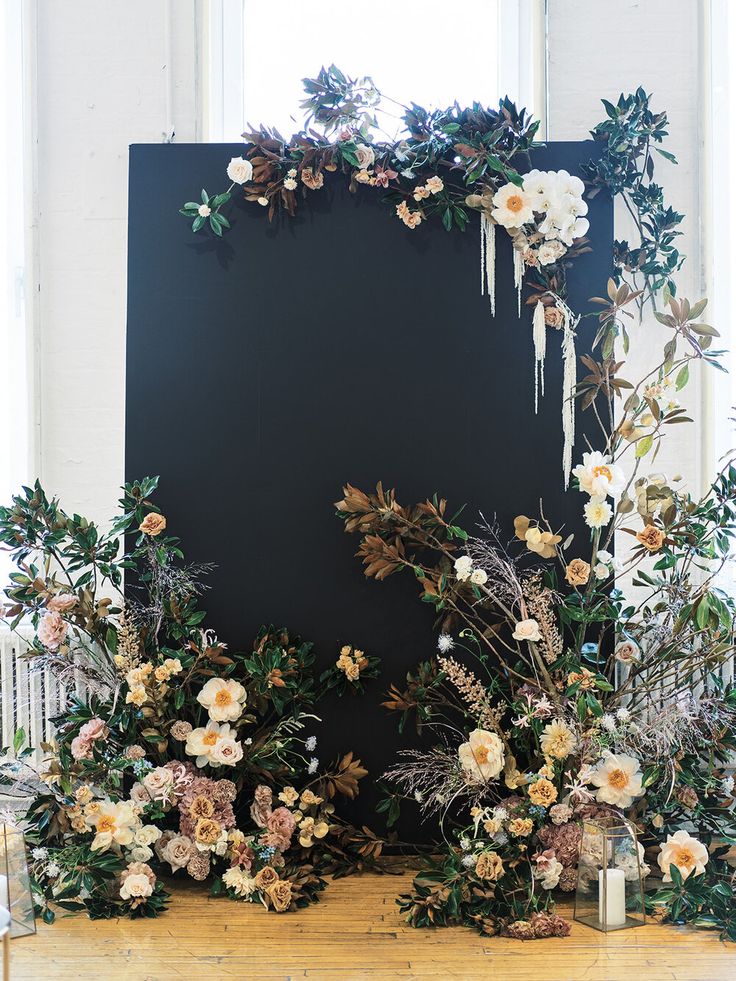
(266, 369)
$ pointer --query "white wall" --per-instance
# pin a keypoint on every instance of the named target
(102, 76)
(109, 73)
(598, 49)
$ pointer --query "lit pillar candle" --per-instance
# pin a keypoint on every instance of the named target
(614, 913)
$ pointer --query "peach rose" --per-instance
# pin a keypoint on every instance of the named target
(153, 524)
(280, 895)
(651, 537)
(94, 729)
(578, 572)
(311, 180)
(266, 877)
(542, 792)
(489, 866)
(62, 602)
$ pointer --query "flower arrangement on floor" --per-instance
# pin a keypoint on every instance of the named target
(186, 759)
(571, 683)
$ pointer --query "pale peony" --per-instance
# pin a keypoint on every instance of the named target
(93, 730)
(52, 630)
(686, 853)
(240, 171)
(482, 757)
(241, 883)
(114, 824)
(527, 630)
(512, 206)
(598, 476)
(81, 748)
(365, 156)
(557, 740)
(598, 512)
(224, 700)
(618, 779)
(203, 742)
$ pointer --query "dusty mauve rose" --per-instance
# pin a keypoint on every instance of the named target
(266, 877)
(139, 794)
(134, 752)
(651, 537)
(243, 855)
(313, 181)
(81, 748)
(180, 730)
(280, 895)
(52, 630)
(365, 156)
(153, 524)
(281, 822)
(626, 652)
(578, 572)
(62, 602)
(260, 809)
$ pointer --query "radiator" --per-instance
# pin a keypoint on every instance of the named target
(29, 698)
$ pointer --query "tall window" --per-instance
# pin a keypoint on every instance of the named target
(255, 68)
(14, 383)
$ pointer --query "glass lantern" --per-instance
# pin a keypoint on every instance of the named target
(610, 890)
(15, 883)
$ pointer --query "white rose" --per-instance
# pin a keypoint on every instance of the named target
(239, 170)
(141, 853)
(227, 752)
(365, 155)
(136, 887)
(527, 630)
(478, 577)
(147, 835)
(600, 571)
(463, 567)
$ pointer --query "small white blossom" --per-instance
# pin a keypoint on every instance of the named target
(313, 764)
(52, 870)
(310, 743)
(418, 796)
(204, 211)
(292, 172)
(469, 861)
(608, 722)
(445, 643)
(290, 184)
(727, 785)
(39, 854)
(623, 715)
(465, 844)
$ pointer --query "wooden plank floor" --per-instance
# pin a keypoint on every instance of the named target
(355, 933)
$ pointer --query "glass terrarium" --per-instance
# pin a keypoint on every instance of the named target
(610, 890)
(15, 884)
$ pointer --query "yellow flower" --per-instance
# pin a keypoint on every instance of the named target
(557, 740)
(578, 572)
(310, 829)
(521, 827)
(489, 866)
(542, 792)
(152, 524)
(289, 796)
(136, 696)
(309, 798)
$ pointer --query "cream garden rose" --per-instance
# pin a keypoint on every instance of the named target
(224, 700)
(240, 171)
(527, 630)
(687, 854)
(482, 756)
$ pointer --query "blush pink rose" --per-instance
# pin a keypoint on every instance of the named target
(62, 603)
(92, 730)
(81, 748)
(52, 630)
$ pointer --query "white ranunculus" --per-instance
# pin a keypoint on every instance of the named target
(598, 512)
(527, 630)
(686, 853)
(550, 252)
(618, 779)
(481, 757)
(240, 171)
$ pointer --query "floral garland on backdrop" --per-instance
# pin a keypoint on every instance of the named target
(556, 696)
(450, 163)
(185, 759)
